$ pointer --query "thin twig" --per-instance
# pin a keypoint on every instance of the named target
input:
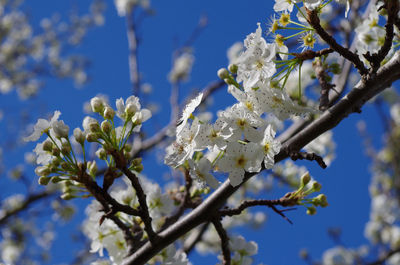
(294, 155)
(284, 201)
(313, 20)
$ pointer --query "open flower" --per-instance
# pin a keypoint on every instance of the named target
(42, 126)
(240, 158)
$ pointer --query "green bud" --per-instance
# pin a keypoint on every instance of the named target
(311, 210)
(42, 171)
(101, 153)
(233, 68)
(65, 148)
(316, 186)
(91, 137)
(127, 148)
(48, 146)
(106, 127)
(56, 179)
(223, 73)
(137, 161)
(64, 166)
(229, 81)
(94, 127)
(138, 168)
(305, 179)
(44, 180)
(67, 196)
(109, 113)
(323, 202)
(79, 136)
(55, 151)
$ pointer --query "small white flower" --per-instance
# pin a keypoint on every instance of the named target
(241, 120)
(200, 171)
(270, 146)
(181, 68)
(256, 63)
(60, 129)
(238, 159)
(42, 126)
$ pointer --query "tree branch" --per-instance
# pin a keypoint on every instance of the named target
(25, 205)
(313, 20)
(363, 91)
(226, 252)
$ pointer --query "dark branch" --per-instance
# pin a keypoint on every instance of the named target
(363, 91)
(224, 240)
(322, 77)
(375, 59)
(294, 155)
(310, 54)
(284, 201)
(313, 20)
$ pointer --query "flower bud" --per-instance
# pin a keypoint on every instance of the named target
(56, 179)
(48, 146)
(44, 180)
(223, 73)
(106, 127)
(127, 148)
(97, 104)
(311, 210)
(109, 113)
(55, 151)
(92, 167)
(130, 109)
(136, 161)
(94, 127)
(316, 186)
(102, 154)
(67, 196)
(91, 137)
(233, 68)
(42, 171)
(79, 136)
(65, 148)
(138, 168)
(60, 129)
(64, 166)
(305, 179)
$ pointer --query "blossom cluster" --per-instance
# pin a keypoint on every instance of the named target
(240, 140)
(58, 154)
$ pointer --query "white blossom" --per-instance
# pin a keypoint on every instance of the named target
(187, 112)
(42, 126)
(200, 171)
(240, 158)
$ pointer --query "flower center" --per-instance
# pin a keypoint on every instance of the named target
(241, 162)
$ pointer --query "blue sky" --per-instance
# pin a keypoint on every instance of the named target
(345, 182)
